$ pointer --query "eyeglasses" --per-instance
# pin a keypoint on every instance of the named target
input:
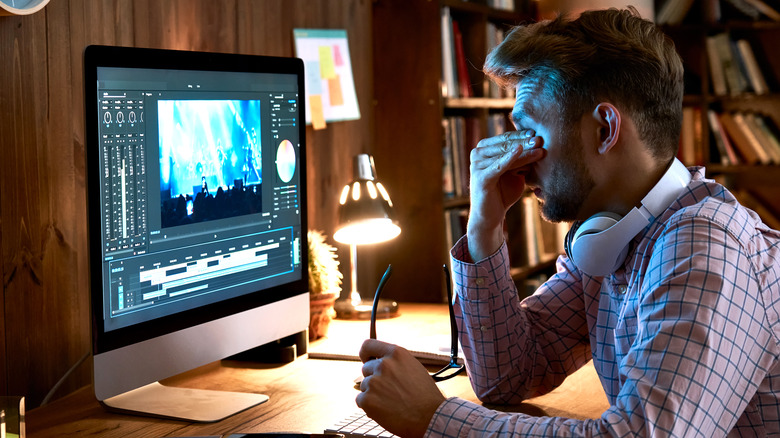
(453, 368)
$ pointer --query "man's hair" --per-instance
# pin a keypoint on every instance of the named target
(606, 55)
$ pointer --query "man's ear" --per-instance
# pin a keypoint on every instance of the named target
(607, 118)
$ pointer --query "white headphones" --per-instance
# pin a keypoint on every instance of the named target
(599, 245)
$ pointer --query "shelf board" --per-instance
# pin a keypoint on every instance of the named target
(506, 15)
(722, 27)
(479, 102)
(745, 175)
(456, 202)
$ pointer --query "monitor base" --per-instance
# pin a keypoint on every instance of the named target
(200, 405)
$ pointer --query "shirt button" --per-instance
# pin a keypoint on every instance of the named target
(622, 289)
(480, 281)
(483, 328)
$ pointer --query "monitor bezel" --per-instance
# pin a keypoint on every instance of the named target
(97, 56)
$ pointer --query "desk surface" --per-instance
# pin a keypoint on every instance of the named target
(307, 395)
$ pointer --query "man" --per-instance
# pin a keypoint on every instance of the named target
(683, 331)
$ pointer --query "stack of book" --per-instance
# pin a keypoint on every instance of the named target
(691, 138)
(733, 66)
(455, 221)
(531, 239)
(745, 137)
(461, 135)
(455, 74)
(673, 12)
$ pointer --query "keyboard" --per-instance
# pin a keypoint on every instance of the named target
(359, 425)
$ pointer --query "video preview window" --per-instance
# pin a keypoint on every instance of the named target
(210, 160)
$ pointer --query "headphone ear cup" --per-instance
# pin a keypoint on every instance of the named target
(581, 251)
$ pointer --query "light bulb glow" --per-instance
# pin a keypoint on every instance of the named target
(355, 191)
(367, 231)
(344, 194)
(371, 189)
(384, 193)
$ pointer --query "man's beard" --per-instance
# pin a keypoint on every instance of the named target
(568, 185)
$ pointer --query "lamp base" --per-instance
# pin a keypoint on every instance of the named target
(385, 309)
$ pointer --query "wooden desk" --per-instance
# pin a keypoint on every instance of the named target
(306, 395)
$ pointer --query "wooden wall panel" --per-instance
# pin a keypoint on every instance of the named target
(408, 141)
(26, 212)
(44, 322)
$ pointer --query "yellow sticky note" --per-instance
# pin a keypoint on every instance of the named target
(327, 67)
(334, 90)
(317, 116)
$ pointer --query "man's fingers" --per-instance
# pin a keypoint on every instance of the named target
(503, 147)
(521, 153)
(372, 348)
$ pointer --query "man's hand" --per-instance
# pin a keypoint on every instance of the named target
(498, 168)
(397, 391)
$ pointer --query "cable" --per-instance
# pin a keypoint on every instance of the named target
(64, 377)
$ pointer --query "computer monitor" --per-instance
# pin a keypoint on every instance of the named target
(196, 193)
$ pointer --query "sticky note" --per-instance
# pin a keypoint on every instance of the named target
(317, 115)
(337, 58)
(313, 79)
(334, 90)
(327, 68)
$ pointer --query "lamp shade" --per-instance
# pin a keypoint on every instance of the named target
(365, 209)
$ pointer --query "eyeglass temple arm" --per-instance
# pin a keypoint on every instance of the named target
(380, 286)
(454, 334)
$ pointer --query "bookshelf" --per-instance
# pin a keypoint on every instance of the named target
(415, 121)
(729, 96)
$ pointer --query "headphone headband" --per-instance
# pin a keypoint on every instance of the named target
(599, 245)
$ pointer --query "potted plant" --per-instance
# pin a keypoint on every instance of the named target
(324, 284)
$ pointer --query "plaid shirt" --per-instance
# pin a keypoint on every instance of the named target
(684, 336)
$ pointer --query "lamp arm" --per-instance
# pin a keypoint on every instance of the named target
(354, 295)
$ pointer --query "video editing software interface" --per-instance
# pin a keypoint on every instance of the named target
(200, 188)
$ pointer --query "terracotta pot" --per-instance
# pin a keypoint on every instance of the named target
(321, 312)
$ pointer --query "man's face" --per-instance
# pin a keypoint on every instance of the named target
(561, 181)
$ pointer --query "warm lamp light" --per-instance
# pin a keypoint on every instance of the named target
(365, 217)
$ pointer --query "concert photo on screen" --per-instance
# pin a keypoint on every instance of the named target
(210, 159)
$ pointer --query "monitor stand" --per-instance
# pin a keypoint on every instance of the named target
(201, 405)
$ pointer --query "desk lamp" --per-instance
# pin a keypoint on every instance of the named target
(365, 217)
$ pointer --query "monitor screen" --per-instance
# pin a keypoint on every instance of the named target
(197, 206)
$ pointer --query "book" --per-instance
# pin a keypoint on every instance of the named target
(453, 134)
(447, 171)
(515, 235)
(531, 233)
(726, 150)
(461, 135)
(752, 123)
(711, 11)
(687, 151)
(738, 138)
(735, 79)
(754, 74)
(672, 12)
(771, 141)
(449, 80)
(744, 7)
(464, 83)
(764, 9)
(742, 121)
(494, 35)
(717, 75)
(496, 124)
